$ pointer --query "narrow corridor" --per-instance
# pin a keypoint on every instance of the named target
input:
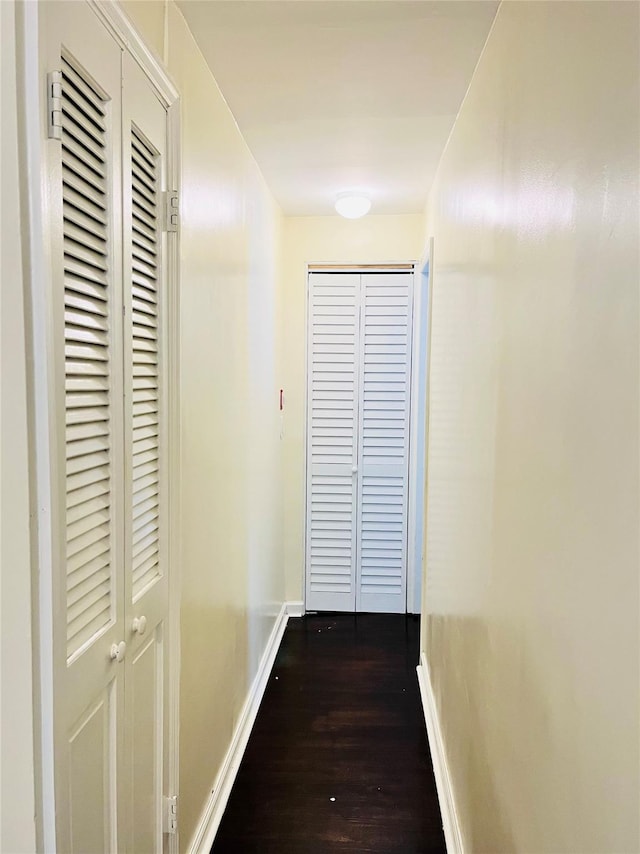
(338, 759)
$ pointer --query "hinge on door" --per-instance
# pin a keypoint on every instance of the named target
(171, 210)
(54, 104)
(171, 814)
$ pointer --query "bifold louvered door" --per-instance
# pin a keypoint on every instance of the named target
(88, 618)
(145, 484)
(334, 319)
(359, 346)
(110, 591)
(383, 458)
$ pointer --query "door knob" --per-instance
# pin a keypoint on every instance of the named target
(354, 470)
(118, 650)
(139, 625)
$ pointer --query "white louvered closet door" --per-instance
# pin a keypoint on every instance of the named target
(358, 440)
(383, 467)
(334, 319)
(107, 174)
(145, 500)
(85, 180)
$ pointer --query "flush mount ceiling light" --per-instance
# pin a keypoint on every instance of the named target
(353, 205)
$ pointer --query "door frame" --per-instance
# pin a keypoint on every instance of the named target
(420, 333)
(419, 430)
(42, 417)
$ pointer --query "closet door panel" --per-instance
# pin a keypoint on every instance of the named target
(384, 442)
(146, 470)
(83, 168)
(332, 441)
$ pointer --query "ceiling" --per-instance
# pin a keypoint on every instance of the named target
(333, 95)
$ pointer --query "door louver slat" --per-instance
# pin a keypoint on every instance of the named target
(145, 397)
(87, 360)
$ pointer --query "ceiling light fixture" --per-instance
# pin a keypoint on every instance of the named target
(353, 205)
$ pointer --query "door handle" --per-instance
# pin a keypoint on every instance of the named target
(139, 625)
(118, 650)
(354, 470)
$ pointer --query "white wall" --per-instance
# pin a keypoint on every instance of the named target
(231, 504)
(17, 825)
(322, 240)
(533, 521)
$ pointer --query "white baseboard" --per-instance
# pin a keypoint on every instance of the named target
(295, 608)
(450, 820)
(211, 817)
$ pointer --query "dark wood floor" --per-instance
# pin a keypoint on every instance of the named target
(338, 758)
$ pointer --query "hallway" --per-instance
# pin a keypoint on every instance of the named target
(214, 407)
(338, 758)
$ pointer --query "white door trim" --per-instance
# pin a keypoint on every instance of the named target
(174, 425)
(419, 428)
(121, 28)
(42, 417)
(38, 273)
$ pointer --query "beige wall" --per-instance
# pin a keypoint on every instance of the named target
(232, 564)
(533, 513)
(322, 240)
(17, 825)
